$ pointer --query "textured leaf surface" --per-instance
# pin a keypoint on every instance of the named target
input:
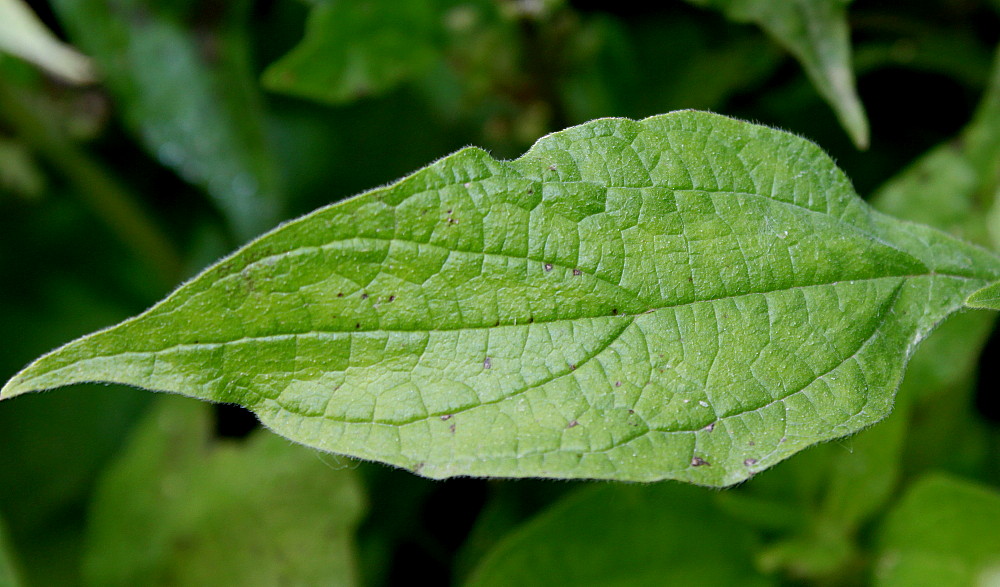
(943, 532)
(189, 93)
(181, 509)
(987, 298)
(688, 297)
(816, 32)
(625, 535)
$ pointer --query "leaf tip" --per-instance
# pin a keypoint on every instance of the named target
(987, 298)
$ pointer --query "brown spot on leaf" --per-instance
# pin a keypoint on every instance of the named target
(618, 383)
(699, 462)
(364, 296)
(577, 272)
(572, 424)
(548, 266)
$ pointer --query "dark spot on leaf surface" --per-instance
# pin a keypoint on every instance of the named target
(364, 296)
(750, 462)
(618, 383)
(577, 272)
(340, 294)
(392, 298)
(572, 367)
(446, 417)
(698, 462)
(614, 311)
(487, 363)
(357, 325)
(572, 424)
(548, 266)
(710, 427)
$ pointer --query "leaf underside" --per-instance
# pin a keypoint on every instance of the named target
(687, 296)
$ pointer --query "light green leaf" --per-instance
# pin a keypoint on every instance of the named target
(361, 48)
(688, 296)
(22, 34)
(987, 298)
(816, 33)
(625, 535)
(943, 532)
(190, 94)
(180, 508)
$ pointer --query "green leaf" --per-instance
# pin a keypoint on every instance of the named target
(950, 186)
(943, 532)
(816, 33)
(688, 296)
(361, 48)
(625, 535)
(190, 94)
(22, 34)
(180, 508)
(9, 577)
(987, 298)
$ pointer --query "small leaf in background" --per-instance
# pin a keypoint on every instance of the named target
(362, 48)
(953, 185)
(628, 300)
(816, 33)
(987, 298)
(22, 34)
(625, 535)
(184, 84)
(9, 576)
(19, 172)
(182, 508)
(942, 532)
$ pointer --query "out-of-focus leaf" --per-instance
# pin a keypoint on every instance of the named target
(362, 47)
(8, 572)
(659, 64)
(22, 34)
(19, 173)
(185, 86)
(628, 300)
(180, 508)
(625, 535)
(942, 532)
(816, 32)
(953, 185)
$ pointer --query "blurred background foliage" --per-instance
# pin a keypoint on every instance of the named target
(191, 126)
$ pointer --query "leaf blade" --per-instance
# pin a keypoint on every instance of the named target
(628, 300)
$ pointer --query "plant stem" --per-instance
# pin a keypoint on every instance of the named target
(100, 190)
